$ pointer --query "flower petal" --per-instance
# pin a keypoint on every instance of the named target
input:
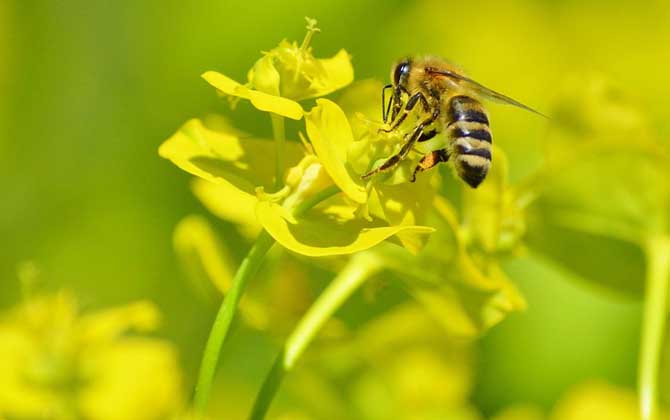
(230, 204)
(337, 73)
(331, 135)
(262, 101)
(319, 235)
(404, 204)
(466, 297)
(219, 156)
(133, 372)
(202, 254)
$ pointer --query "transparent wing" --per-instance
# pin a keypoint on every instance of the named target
(482, 90)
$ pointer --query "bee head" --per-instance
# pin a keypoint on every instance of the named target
(401, 71)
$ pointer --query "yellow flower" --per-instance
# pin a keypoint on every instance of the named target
(57, 363)
(239, 166)
(286, 74)
(597, 400)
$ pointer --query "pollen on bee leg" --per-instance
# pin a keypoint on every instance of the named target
(428, 161)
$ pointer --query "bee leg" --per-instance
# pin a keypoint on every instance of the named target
(406, 148)
(396, 101)
(427, 136)
(386, 109)
(411, 103)
(430, 160)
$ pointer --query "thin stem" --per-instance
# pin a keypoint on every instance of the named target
(312, 201)
(654, 324)
(224, 317)
(359, 269)
(279, 133)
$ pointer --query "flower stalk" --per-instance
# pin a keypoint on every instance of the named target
(355, 273)
(224, 318)
(279, 134)
(654, 324)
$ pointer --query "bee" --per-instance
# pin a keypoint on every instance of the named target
(452, 103)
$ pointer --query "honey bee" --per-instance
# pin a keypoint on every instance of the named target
(452, 103)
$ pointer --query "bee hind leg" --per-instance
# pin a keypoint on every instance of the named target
(430, 160)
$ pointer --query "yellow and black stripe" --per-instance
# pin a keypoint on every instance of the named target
(470, 139)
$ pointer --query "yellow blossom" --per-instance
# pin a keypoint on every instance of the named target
(286, 74)
(59, 364)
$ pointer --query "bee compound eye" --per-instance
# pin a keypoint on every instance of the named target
(400, 70)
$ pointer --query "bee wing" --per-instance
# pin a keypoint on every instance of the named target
(482, 90)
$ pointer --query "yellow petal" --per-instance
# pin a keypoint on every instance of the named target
(337, 73)
(265, 76)
(220, 156)
(466, 296)
(405, 204)
(262, 101)
(202, 255)
(597, 400)
(135, 378)
(109, 324)
(319, 235)
(230, 204)
(331, 135)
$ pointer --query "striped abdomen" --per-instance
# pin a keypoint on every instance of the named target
(470, 139)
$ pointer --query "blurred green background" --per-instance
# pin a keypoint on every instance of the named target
(88, 90)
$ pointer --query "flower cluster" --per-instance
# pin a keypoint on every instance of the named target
(314, 202)
(343, 140)
(57, 363)
(235, 176)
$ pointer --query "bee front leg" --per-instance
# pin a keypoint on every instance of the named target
(406, 148)
(386, 109)
(411, 103)
(396, 102)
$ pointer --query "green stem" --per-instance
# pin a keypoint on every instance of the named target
(279, 133)
(359, 269)
(224, 317)
(654, 324)
(312, 201)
